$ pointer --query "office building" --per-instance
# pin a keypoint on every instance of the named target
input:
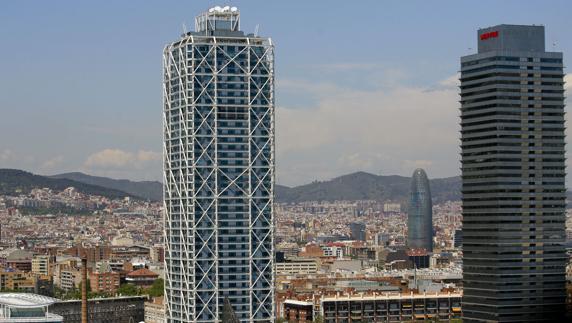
(513, 174)
(357, 231)
(420, 214)
(219, 171)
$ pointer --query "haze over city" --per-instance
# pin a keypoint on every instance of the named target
(363, 86)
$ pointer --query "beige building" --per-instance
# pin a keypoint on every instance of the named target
(17, 280)
(41, 265)
(297, 266)
(155, 311)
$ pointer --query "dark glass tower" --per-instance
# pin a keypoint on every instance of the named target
(219, 172)
(420, 216)
(357, 230)
(512, 135)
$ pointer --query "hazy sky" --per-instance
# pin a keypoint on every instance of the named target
(361, 85)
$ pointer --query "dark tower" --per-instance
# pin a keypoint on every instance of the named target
(420, 216)
(513, 169)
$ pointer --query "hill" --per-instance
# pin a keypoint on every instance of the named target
(14, 181)
(149, 190)
(366, 186)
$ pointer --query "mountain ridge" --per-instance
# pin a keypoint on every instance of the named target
(16, 181)
(354, 186)
(149, 190)
(367, 186)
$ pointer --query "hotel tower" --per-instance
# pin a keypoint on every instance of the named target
(218, 122)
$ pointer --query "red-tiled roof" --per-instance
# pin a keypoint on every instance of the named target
(143, 272)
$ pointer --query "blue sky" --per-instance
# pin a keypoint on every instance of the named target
(366, 85)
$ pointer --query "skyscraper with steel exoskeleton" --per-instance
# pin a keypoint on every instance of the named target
(219, 172)
(420, 213)
(513, 170)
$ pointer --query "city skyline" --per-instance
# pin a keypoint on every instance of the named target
(226, 101)
(86, 124)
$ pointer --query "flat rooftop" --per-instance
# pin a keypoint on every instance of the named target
(25, 300)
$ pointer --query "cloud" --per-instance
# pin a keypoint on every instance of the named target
(120, 159)
(414, 164)
(452, 82)
(6, 155)
(387, 130)
(52, 163)
(392, 128)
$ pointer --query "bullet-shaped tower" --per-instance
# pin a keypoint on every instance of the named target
(420, 216)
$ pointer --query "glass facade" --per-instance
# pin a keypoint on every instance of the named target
(420, 214)
(513, 174)
(219, 174)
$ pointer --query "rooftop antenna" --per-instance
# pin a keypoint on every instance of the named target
(184, 28)
(256, 30)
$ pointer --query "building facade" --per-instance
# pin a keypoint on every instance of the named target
(392, 307)
(125, 309)
(297, 266)
(297, 311)
(41, 265)
(420, 214)
(104, 282)
(513, 170)
(219, 171)
(16, 280)
(357, 231)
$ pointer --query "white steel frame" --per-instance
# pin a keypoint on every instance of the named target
(181, 198)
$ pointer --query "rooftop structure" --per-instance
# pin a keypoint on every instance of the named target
(26, 308)
(218, 18)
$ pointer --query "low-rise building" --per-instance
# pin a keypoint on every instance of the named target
(104, 282)
(141, 277)
(24, 307)
(297, 266)
(155, 311)
(391, 307)
(17, 280)
(123, 309)
(19, 260)
(69, 278)
(41, 265)
(297, 311)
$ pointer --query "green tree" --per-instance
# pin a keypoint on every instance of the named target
(157, 289)
(129, 290)
(318, 319)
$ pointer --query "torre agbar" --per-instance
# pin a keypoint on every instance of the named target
(219, 172)
(513, 170)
